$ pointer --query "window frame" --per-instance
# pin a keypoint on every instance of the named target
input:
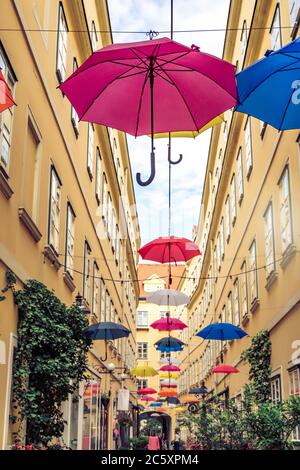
(248, 139)
(276, 12)
(253, 271)
(70, 212)
(54, 172)
(61, 10)
(286, 171)
(270, 267)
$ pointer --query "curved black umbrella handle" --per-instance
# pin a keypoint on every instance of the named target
(152, 174)
(106, 355)
(175, 162)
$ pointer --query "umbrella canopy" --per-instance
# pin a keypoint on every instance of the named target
(170, 360)
(146, 398)
(169, 344)
(146, 391)
(169, 249)
(192, 134)
(168, 393)
(198, 390)
(168, 297)
(167, 385)
(6, 99)
(167, 382)
(222, 331)
(269, 89)
(151, 87)
(106, 331)
(155, 405)
(170, 368)
(143, 371)
(223, 369)
(167, 375)
(173, 400)
(168, 324)
(190, 400)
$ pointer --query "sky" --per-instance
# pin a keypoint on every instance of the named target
(188, 176)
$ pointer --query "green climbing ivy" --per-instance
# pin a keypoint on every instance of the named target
(50, 361)
(10, 279)
(258, 355)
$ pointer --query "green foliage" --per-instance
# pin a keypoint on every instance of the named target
(50, 360)
(258, 355)
(10, 282)
(151, 426)
(138, 442)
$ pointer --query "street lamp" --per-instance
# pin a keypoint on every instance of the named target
(80, 304)
(111, 367)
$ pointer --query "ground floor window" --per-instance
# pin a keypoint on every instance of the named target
(294, 388)
(91, 416)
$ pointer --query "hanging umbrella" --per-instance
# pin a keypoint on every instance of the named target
(190, 400)
(170, 368)
(107, 331)
(122, 85)
(198, 390)
(6, 99)
(222, 332)
(169, 344)
(223, 369)
(155, 405)
(269, 89)
(143, 371)
(169, 249)
(167, 375)
(191, 134)
(146, 398)
(169, 381)
(173, 401)
(167, 385)
(146, 391)
(168, 324)
(168, 393)
(170, 360)
(168, 297)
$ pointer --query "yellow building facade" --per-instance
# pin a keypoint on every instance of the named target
(67, 203)
(249, 227)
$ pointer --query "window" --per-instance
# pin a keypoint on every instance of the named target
(104, 198)
(98, 175)
(275, 31)
(233, 200)
(219, 251)
(94, 37)
(276, 390)
(142, 383)
(86, 272)
(227, 215)
(248, 147)
(253, 272)
(285, 211)
(240, 175)
(142, 350)
(229, 308)
(236, 302)
(225, 133)
(294, 10)
(32, 165)
(74, 115)
(142, 319)
(62, 43)
(243, 41)
(69, 259)
(244, 289)
(96, 290)
(109, 215)
(6, 117)
(90, 150)
(102, 301)
(54, 211)
(294, 389)
(269, 240)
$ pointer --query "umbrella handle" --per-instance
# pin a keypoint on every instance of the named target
(175, 162)
(152, 174)
(106, 355)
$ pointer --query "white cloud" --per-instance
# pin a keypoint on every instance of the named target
(188, 176)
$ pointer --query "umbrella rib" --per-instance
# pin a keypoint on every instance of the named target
(286, 109)
(140, 103)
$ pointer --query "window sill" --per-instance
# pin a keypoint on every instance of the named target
(51, 255)
(29, 224)
(271, 279)
(245, 319)
(142, 328)
(5, 187)
(69, 281)
(287, 255)
(254, 305)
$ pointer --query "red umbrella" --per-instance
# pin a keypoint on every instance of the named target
(146, 391)
(123, 85)
(6, 99)
(170, 368)
(168, 324)
(223, 369)
(168, 393)
(169, 386)
(169, 249)
(146, 398)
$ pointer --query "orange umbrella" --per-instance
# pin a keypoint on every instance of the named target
(168, 393)
(6, 99)
(189, 400)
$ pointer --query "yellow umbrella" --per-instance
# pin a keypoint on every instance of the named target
(167, 375)
(192, 134)
(190, 400)
(143, 371)
(179, 409)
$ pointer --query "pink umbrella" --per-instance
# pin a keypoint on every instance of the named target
(170, 368)
(121, 86)
(168, 324)
(146, 398)
(169, 249)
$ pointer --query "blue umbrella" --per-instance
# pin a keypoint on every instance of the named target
(155, 404)
(173, 400)
(222, 332)
(270, 88)
(169, 344)
(106, 331)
